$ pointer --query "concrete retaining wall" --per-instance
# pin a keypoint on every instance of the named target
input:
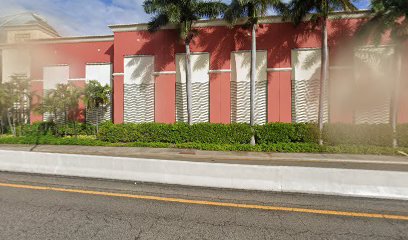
(361, 183)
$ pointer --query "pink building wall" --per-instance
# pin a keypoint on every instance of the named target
(278, 39)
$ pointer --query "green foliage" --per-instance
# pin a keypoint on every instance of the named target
(15, 101)
(362, 134)
(181, 13)
(298, 9)
(52, 140)
(286, 133)
(176, 133)
(208, 133)
(96, 95)
(277, 147)
(402, 135)
(52, 129)
(252, 10)
(389, 16)
(62, 100)
(273, 137)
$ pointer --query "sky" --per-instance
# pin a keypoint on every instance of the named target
(86, 17)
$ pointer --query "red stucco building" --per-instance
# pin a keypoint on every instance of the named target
(146, 72)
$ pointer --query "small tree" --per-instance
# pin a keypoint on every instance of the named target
(320, 10)
(251, 10)
(183, 14)
(15, 99)
(97, 97)
(7, 100)
(61, 101)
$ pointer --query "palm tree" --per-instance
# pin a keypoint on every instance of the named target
(97, 97)
(251, 11)
(183, 14)
(21, 88)
(390, 16)
(7, 100)
(61, 100)
(320, 10)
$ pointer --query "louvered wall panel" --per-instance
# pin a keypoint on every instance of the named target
(139, 89)
(200, 88)
(139, 103)
(306, 86)
(374, 80)
(240, 87)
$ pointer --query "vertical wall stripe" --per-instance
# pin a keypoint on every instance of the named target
(373, 84)
(200, 88)
(139, 89)
(240, 87)
(306, 85)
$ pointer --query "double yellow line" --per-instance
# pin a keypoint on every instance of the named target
(211, 203)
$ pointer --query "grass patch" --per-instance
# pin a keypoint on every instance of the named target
(275, 147)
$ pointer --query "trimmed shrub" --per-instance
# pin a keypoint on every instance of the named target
(50, 128)
(175, 133)
(286, 133)
(235, 133)
(402, 135)
(362, 134)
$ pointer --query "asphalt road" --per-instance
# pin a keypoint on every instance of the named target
(73, 208)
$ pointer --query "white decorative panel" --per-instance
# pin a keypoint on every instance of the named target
(139, 70)
(200, 64)
(139, 89)
(240, 87)
(15, 62)
(54, 75)
(306, 64)
(99, 72)
(102, 73)
(374, 80)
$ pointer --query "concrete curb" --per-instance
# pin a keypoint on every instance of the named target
(331, 181)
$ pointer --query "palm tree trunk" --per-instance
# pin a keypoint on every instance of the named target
(97, 120)
(253, 80)
(188, 84)
(323, 78)
(395, 96)
(13, 130)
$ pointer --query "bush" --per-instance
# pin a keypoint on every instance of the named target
(286, 133)
(50, 128)
(402, 135)
(235, 133)
(362, 134)
(175, 133)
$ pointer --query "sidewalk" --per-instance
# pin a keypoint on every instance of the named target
(322, 160)
(331, 174)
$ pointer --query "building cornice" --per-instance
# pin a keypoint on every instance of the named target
(221, 22)
(32, 27)
(101, 38)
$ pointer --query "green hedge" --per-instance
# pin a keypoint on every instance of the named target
(208, 133)
(176, 133)
(272, 133)
(277, 147)
(286, 133)
(364, 134)
(50, 128)
(225, 134)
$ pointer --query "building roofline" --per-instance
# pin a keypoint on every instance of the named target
(221, 22)
(75, 39)
(30, 26)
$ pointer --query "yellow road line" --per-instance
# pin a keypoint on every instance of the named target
(212, 203)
